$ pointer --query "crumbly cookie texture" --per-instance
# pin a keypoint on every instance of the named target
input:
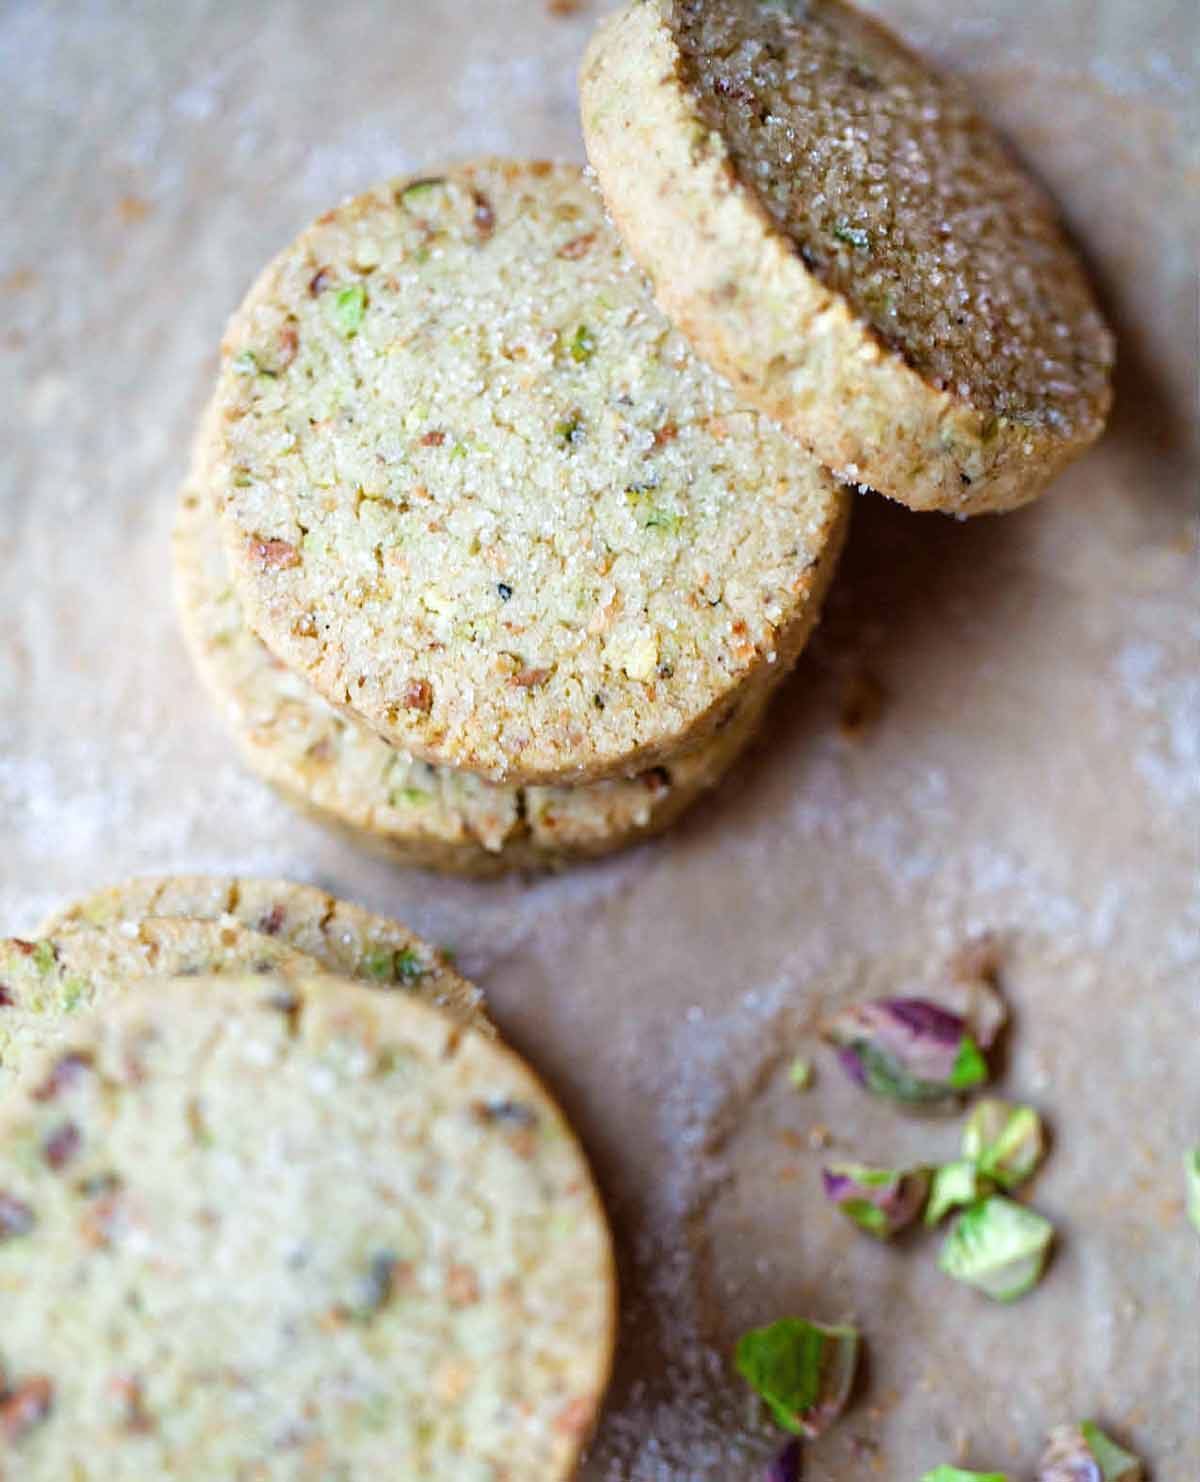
(343, 938)
(342, 772)
(45, 984)
(291, 1233)
(837, 230)
(477, 489)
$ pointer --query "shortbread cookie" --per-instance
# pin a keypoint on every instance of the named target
(838, 230)
(342, 938)
(333, 766)
(294, 1233)
(45, 983)
(482, 495)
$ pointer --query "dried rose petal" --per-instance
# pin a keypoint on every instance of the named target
(881, 1201)
(24, 1407)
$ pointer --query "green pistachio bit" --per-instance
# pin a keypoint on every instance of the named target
(956, 1474)
(73, 993)
(800, 1073)
(459, 450)
(386, 966)
(954, 1184)
(997, 1246)
(1191, 1169)
(419, 191)
(1005, 1141)
(570, 430)
(1083, 1453)
(1117, 1464)
(854, 236)
(583, 346)
(970, 1068)
(349, 307)
(246, 364)
(43, 957)
(413, 795)
(802, 1370)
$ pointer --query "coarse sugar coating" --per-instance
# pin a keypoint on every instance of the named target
(336, 768)
(290, 1235)
(844, 236)
(45, 984)
(477, 489)
(340, 937)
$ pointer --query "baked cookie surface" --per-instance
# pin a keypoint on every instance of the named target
(45, 983)
(480, 493)
(837, 229)
(333, 766)
(341, 937)
(295, 1232)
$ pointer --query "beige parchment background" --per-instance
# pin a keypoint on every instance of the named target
(1035, 767)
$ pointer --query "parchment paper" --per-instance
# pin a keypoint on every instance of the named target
(1034, 768)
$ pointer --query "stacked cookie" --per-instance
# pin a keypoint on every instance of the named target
(274, 1201)
(479, 557)
(483, 555)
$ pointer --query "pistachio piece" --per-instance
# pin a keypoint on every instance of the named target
(1191, 1173)
(1083, 1453)
(802, 1370)
(1005, 1142)
(878, 1200)
(956, 1474)
(954, 1184)
(909, 1049)
(998, 1246)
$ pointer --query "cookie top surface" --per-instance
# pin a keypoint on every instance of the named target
(45, 983)
(341, 937)
(300, 1234)
(832, 163)
(328, 761)
(478, 491)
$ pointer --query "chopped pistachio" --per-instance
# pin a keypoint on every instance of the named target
(570, 431)
(349, 307)
(954, 1184)
(1083, 1453)
(1191, 1170)
(802, 1370)
(419, 191)
(1004, 1141)
(881, 1201)
(854, 236)
(909, 1049)
(800, 1073)
(43, 956)
(387, 966)
(246, 364)
(583, 346)
(956, 1474)
(998, 1246)
(414, 795)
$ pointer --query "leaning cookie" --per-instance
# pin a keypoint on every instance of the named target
(294, 1235)
(342, 938)
(332, 766)
(45, 983)
(837, 230)
(476, 489)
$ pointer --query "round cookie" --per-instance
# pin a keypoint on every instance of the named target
(342, 938)
(477, 489)
(334, 767)
(295, 1236)
(44, 983)
(838, 231)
